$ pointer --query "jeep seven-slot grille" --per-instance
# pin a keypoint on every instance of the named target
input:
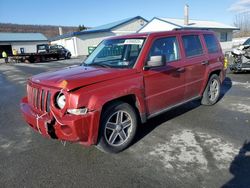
(39, 98)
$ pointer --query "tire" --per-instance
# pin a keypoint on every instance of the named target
(117, 127)
(67, 56)
(211, 97)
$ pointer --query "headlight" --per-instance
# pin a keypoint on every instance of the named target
(79, 111)
(60, 100)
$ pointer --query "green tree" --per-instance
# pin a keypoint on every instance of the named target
(82, 27)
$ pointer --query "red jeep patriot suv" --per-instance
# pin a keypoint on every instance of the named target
(125, 81)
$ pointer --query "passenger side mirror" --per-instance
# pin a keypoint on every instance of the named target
(155, 61)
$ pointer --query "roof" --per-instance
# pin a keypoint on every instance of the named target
(102, 28)
(193, 24)
(198, 24)
(160, 33)
(18, 37)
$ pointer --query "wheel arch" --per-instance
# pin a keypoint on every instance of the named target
(218, 72)
(132, 100)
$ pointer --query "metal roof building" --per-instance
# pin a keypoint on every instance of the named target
(18, 37)
(22, 42)
(79, 42)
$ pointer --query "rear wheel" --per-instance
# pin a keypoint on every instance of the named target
(68, 56)
(118, 127)
(212, 91)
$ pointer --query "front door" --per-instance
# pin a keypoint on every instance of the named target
(164, 86)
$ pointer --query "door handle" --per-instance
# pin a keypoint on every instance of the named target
(182, 69)
(205, 63)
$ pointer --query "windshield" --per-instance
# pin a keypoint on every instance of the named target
(116, 53)
(247, 42)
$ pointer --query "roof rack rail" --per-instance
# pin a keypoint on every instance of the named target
(185, 28)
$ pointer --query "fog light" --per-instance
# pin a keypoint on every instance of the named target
(79, 111)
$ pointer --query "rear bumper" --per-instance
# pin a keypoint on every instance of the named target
(82, 129)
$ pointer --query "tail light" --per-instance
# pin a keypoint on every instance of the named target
(225, 62)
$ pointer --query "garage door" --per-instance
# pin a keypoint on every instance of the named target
(69, 44)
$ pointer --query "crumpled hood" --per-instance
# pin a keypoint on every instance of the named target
(78, 76)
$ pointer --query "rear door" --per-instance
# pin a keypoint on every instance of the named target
(196, 62)
(164, 86)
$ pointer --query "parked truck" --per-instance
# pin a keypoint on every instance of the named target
(44, 52)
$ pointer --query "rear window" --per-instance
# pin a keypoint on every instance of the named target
(211, 43)
(192, 45)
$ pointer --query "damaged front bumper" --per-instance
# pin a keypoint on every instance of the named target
(73, 128)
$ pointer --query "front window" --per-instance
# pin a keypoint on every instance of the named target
(116, 53)
(167, 47)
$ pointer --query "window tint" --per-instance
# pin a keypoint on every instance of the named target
(211, 43)
(167, 47)
(192, 45)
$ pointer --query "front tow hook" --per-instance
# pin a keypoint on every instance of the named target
(51, 129)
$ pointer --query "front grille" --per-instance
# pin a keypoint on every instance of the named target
(39, 98)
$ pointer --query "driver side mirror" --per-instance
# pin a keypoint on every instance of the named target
(155, 61)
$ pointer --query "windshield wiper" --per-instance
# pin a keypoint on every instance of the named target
(99, 64)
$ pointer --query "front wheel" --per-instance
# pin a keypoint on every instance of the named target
(212, 92)
(118, 127)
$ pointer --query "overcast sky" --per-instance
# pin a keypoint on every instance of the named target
(97, 12)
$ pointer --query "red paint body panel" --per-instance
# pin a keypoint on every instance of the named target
(78, 76)
(91, 87)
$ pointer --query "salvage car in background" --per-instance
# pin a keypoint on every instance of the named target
(239, 58)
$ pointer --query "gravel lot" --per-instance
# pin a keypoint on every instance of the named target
(190, 146)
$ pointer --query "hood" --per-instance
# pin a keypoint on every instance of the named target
(78, 76)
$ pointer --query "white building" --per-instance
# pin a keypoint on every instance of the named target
(224, 32)
(22, 42)
(78, 43)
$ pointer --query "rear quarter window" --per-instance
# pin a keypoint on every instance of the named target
(192, 45)
(211, 43)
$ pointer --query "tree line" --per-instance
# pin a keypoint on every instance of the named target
(48, 30)
(242, 21)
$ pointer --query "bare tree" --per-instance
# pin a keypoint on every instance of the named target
(242, 21)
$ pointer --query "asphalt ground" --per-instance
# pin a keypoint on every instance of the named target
(190, 146)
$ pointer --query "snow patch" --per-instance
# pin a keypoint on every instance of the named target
(241, 108)
(242, 84)
(223, 152)
(181, 151)
(187, 149)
